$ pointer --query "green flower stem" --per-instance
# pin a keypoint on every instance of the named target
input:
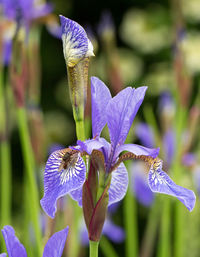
(74, 245)
(151, 229)
(107, 248)
(94, 249)
(30, 173)
(130, 223)
(165, 242)
(5, 163)
(5, 167)
(5, 183)
(177, 170)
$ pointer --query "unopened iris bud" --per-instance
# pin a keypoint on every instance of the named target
(77, 50)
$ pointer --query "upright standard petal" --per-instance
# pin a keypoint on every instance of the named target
(13, 245)
(76, 44)
(118, 185)
(64, 172)
(121, 111)
(160, 182)
(100, 96)
(55, 245)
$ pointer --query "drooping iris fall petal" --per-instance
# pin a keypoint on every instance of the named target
(160, 182)
(121, 111)
(60, 181)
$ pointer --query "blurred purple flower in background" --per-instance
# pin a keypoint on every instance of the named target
(17, 14)
(53, 248)
(169, 146)
(145, 134)
(139, 183)
(115, 233)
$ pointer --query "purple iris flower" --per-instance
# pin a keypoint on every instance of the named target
(53, 248)
(65, 170)
(118, 113)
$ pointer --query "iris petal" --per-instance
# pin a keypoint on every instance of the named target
(13, 245)
(121, 111)
(55, 245)
(100, 96)
(118, 185)
(160, 182)
(137, 150)
(77, 195)
(89, 145)
(58, 183)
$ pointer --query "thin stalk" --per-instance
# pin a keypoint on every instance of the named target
(74, 245)
(94, 249)
(30, 173)
(107, 248)
(130, 223)
(151, 229)
(5, 161)
(164, 238)
(5, 183)
(6, 186)
(179, 212)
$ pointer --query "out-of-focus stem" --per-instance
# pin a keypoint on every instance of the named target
(164, 242)
(107, 248)
(151, 229)
(5, 183)
(5, 161)
(130, 223)
(30, 173)
(179, 212)
(94, 249)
